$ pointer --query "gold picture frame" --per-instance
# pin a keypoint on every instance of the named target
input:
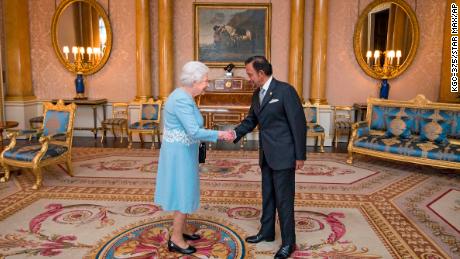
(231, 32)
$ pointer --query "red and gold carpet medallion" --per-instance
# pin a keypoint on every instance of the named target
(149, 240)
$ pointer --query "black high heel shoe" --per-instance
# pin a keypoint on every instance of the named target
(175, 248)
(191, 237)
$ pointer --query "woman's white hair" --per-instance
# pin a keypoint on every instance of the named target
(193, 72)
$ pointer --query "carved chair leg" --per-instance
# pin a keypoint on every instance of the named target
(103, 132)
(130, 139)
(6, 170)
(153, 141)
(121, 133)
(38, 178)
(349, 136)
(113, 132)
(159, 138)
(123, 128)
(68, 164)
(141, 138)
(336, 137)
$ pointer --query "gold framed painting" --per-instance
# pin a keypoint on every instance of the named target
(231, 32)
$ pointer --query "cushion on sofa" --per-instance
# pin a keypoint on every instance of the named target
(455, 126)
(399, 126)
(379, 115)
(414, 147)
(434, 130)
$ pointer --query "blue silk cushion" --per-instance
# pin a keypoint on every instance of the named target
(310, 114)
(315, 128)
(399, 126)
(27, 153)
(150, 111)
(55, 122)
(145, 126)
(434, 130)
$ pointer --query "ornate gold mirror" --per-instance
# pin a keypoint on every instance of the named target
(386, 38)
(82, 36)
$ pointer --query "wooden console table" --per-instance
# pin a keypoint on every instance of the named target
(94, 103)
(226, 101)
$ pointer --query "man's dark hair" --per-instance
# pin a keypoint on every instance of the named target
(260, 63)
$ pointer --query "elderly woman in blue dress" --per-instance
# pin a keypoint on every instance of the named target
(178, 182)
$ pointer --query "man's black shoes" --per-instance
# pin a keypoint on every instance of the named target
(285, 251)
(259, 238)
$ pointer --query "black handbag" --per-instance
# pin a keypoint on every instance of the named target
(202, 153)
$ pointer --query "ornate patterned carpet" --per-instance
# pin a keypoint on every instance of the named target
(373, 209)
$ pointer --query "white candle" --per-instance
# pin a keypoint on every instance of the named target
(97, 52)
(66, 51)
(74, 52)
(376, 57)
(391, 55)
(368, 56)
(89, 50)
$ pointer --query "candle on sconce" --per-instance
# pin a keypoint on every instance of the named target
(66, 51)
(74, 52)
(368, 56)
(398, 56)
(82, 51)
(89, 50)
(376, 57)
(391, 55)
(97, 52)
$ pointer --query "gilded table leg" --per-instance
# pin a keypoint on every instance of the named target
(104, 116)
(95, 120)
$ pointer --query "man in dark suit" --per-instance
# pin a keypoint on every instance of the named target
(278, 111)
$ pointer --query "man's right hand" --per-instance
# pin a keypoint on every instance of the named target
(228, 136)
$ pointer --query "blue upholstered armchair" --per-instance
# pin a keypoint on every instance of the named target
(314, 129)
(54, 145)
(149, 122)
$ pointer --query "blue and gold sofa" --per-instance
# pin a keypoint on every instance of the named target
(417, 131)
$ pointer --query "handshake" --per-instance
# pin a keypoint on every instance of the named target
(227, 136)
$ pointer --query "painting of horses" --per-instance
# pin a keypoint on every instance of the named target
(230, 33)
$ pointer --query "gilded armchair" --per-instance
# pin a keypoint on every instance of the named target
(314, 129)
(149, 122)
(54, 146)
